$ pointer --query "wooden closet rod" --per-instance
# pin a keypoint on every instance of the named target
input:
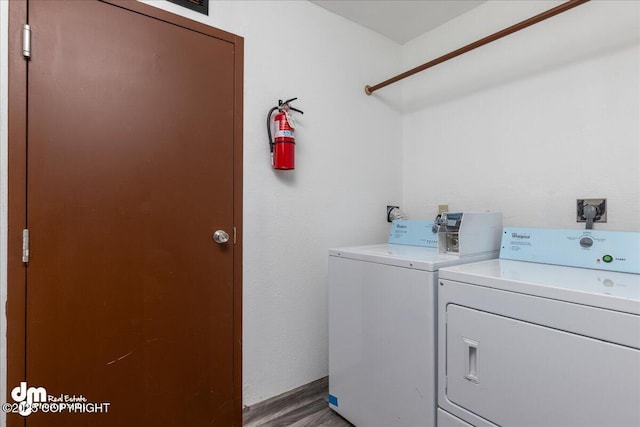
(493, 37)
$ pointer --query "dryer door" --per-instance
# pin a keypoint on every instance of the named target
(515, 373)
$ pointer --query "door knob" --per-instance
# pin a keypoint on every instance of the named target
(221, 236)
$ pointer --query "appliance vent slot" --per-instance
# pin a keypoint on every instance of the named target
(201, 6)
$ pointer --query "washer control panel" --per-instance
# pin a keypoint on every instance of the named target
(603, 250)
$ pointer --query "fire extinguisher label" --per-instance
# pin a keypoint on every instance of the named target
(283, 130)
(284, 133)
(290, 120)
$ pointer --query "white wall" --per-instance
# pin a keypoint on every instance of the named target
(348, 168)
(531, 122)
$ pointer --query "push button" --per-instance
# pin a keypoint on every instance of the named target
(607, 258)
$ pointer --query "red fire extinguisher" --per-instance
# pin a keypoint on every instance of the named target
(282, 142)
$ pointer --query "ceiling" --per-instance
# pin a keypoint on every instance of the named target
(399, 20)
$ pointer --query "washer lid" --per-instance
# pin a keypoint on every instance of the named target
(598, 288)
(416, 257)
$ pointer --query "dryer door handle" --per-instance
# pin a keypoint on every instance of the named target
(471, 360)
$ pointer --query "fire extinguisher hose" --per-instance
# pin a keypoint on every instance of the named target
(269, 128)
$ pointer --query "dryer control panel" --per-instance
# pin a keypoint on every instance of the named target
(599, 249)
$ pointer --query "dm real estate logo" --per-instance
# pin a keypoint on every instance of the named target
(27, 400)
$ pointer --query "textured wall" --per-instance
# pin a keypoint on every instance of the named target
(531, 122)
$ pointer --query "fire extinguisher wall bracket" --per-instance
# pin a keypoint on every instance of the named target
(282, 140)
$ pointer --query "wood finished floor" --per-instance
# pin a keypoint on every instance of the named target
(306, 406)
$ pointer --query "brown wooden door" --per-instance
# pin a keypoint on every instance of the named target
(131, 138)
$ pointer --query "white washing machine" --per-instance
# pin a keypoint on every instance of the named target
(382, 328)
(522, 342)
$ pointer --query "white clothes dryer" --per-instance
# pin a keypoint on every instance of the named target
(526, 343)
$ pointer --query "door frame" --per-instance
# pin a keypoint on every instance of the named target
(17, 190)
